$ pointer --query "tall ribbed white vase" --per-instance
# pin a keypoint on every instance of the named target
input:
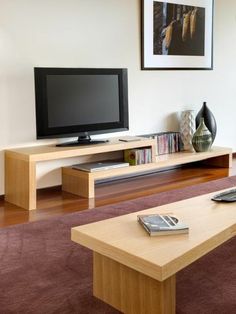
(187, 128)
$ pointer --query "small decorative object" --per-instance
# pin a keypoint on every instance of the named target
(202, 138)
(177, 35)
(187, 128)
(209, 120)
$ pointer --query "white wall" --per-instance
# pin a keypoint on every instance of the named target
(106, 33)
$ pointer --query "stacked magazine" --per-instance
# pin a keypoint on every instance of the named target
(162, 224)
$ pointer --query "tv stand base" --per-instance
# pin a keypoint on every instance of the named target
(82, 140)
(78, 143)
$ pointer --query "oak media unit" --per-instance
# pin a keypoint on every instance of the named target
(20, 165)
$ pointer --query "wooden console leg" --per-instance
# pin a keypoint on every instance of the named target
(129, 291)
(77, 182)
(20, 182)
(224, 161)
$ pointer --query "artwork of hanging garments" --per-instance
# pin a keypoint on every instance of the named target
(181, 30)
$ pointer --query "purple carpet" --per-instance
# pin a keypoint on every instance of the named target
(43, 272)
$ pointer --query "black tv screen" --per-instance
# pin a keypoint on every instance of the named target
(79, 101)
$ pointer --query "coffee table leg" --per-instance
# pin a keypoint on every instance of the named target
(130, 291)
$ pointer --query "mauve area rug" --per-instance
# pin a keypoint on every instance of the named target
(43, 272)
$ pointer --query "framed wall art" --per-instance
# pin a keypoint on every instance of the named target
(177, 34)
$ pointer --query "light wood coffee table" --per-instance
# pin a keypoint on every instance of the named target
(135, 273)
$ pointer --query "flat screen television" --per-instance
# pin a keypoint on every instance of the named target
(79, 102)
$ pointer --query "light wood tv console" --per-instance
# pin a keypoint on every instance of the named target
(20, 165)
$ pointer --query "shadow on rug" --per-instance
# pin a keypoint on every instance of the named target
(43, 272)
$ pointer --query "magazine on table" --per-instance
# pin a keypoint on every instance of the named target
(226, 196)
(158, 224)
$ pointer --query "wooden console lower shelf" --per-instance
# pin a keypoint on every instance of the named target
(20, 167)
(82, 183)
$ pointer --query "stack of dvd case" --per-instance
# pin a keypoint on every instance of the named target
(167, 142)
(138, 156)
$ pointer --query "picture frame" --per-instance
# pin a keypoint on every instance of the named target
(177, 34)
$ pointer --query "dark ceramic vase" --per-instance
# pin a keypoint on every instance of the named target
(202, 138)
(209, 120)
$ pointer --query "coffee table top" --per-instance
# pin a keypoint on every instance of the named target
(125, 241)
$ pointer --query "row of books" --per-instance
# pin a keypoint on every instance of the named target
(167, 142)
(138, 156)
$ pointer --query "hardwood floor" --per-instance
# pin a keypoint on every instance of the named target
(53, 202)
